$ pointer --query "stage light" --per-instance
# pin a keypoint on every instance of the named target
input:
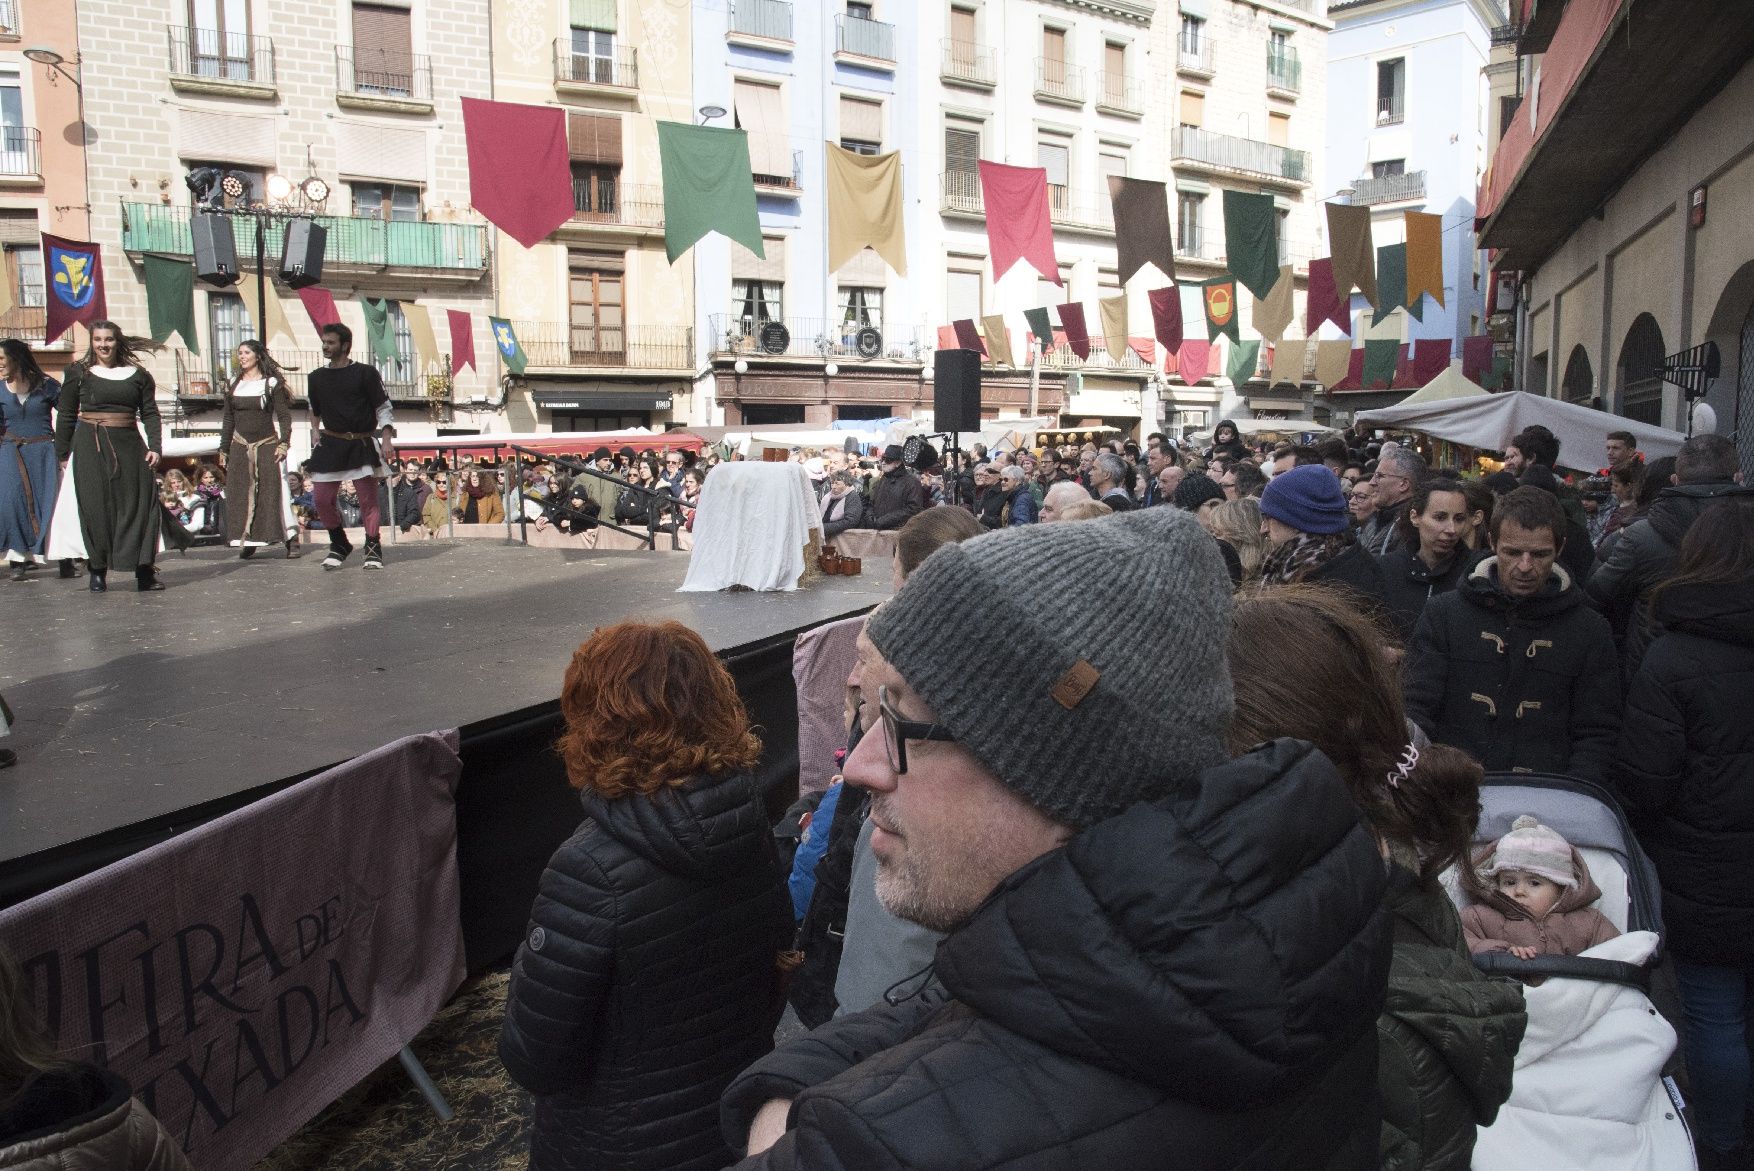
(200, 182)
(279, 186)
(315, 189)
(234, 185)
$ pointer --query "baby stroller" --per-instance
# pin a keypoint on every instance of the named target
(1592, 1088)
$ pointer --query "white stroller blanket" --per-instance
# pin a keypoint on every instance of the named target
(1588, 1092)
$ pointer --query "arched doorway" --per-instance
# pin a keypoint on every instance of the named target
(1732, 395)
(1640, 373)
(1580, 380)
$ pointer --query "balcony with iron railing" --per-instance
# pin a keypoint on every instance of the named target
(382, 77)
(1391, 111)
(1071, 208)
(1389, 189)
(562, 345)
(1117, 93)
(968, 63)
(28, 320)
(616, 69)
(21, 153)
(858, 36)
(1062, 357)
(359, 242)
(617, 204)
(960, 193)
(784, 185)
(9, 18)
(203, 381)
(1056, 81)
(1197, 244)
(208, 55)
(762, 20)
(1506, 34)
(1223, 152)
(1284, 71)
(1195, 56)
(821, 339)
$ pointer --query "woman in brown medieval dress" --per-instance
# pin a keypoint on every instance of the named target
(253, 441)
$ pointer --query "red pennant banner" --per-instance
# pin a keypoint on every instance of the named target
(1354, 372)
(1324, 301)
(1018, 224)
(947, 339)
(75, 272)
(968, 336)
(1166, 317)
(1430, 358)
(1476, 357)
(462, 341)
(1077, 335)
(1193, 360)
(320, 304)
(520, 176)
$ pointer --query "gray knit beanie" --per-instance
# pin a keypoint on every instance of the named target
(1083, 664)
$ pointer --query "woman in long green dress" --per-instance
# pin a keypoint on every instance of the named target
(106, 401)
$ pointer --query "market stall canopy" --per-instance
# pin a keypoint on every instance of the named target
(574, 443)
(1490, 421)
(1452, 383)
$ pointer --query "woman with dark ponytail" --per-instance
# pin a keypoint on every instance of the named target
(1448, 1036)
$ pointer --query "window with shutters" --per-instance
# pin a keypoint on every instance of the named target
(594, 143)
(861, 125)
(758, 284)
(383, 50)
(963, 47)
(1190, 212)
(382, 201)
(1055, 156)
(593, 56)
(1115, 90)
(1282, 234)
(962, 295)
(1053, 46)
(860, 305)
(398, 372)
(1193, 109)
(1391, 91)
(24, 271)
(596, 294)
(1279, 128)
(962, 176)
(228, 325)
(1193, 36)
(759, 109)
(219, 39)
(19, 236)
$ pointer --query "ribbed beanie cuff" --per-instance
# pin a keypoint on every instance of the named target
(1083, 662)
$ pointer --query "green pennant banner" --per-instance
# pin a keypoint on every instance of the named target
(708, 187)
(1041, 325)
(1244, 358)
(1380, 358)
(1251, 240)
(510, 352)
(1218, 295)
(1391, 282)
(380, 333)
(170, 299)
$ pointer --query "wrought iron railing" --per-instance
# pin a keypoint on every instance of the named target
(1391, 110)
(618, 67)
(1118, 91)
(1389, 188)
(1062, 357)
(792, 182)
(762, 18)
(8, 16)
(1200, 245)
(357, 240)
(1506, 34)
(960, 191)
(1056, 79)
(20, 150)
(209, 53)
(1069, 206)
(383, 73)
(1240, 154)
(638, 205)
(968, 62)
(644, 347)
(864, 37)
(28, 323)
(815, 337)
(1284, 70)
(1195, 55)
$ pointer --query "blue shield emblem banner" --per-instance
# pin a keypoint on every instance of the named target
(75, 276)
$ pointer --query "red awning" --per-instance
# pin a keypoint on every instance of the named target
(575, 443)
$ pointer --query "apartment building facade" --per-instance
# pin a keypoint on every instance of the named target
(42, 160)
(605, 320)
(780, 337)
(1411, 127)
(348, 110)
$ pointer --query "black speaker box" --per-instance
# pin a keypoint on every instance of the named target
(301, 253)
(216, 252)
(956, 390)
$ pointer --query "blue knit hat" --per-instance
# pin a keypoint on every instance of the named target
(1308, 499)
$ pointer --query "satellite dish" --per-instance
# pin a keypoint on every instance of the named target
(868, 342)
(775, 338)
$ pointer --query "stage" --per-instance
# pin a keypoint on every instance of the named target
(141, 714)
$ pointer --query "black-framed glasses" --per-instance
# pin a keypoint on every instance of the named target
(897, 732)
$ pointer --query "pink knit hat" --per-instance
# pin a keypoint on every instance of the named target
(1533, 847)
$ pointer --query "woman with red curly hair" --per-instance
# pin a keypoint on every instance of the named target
(649, 975)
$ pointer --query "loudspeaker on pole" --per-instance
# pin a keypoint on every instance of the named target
(216, 251)
(956, 390)
(301, 253)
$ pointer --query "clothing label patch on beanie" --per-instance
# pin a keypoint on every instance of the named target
(1075, 684)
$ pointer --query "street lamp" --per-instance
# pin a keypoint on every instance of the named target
(708, 113)
(43, 55)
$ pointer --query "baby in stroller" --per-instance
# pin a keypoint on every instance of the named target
(1535, 897)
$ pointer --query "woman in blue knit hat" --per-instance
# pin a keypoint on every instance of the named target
(1310, 538)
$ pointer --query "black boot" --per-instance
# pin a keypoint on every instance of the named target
(293, 551)
(146, 580)
(374, 553)
(247, 552)
(339, 548)
(8, 758)
(98, 585)
(18, 570)
(67, 569)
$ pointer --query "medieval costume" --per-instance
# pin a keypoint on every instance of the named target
(350, 407)
(98, 431)
(27, 472)
(254, 434)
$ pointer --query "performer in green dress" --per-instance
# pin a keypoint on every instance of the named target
(105, 402)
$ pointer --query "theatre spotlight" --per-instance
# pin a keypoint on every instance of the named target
(201, 182)
(918, 454)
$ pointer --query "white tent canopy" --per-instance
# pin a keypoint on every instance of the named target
(1452, 383)
(1491, 421)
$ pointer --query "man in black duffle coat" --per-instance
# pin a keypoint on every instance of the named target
(1514, 666)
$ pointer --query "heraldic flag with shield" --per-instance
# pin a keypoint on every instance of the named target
(507, 341)
(75, 284)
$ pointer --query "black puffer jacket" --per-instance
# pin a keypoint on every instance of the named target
(1408, 584)
(1644, 555)
(1686, 768)
(1524, 684)
(1448, 1036)
(1192, 983)
(647, 978)
(895, 497)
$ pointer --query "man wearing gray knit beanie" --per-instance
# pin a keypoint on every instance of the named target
(1152, 952)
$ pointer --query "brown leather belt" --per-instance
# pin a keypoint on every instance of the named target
(341, 434)
(30, 496)
(107, 418)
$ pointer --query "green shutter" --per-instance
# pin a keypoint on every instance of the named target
(596, 14)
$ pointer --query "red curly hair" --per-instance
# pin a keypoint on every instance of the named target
(648, 705)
